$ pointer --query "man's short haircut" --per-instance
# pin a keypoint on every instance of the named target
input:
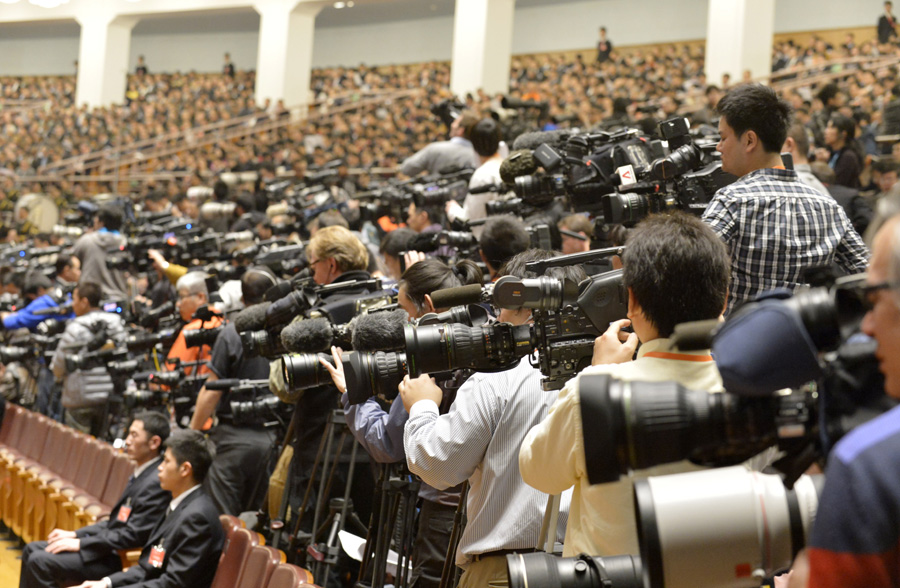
(801, 139)
(255, 282)
(502, 238)
(516, 267)
(91, 291)
(485, 137)
(62, 262)
(155, 196)
(577, 223)
(155, 424)
(330, 218)
(188, 445)
(758, 108)
(467, 122)
(220, 190)
(111, 216)
(678, 270)
(711, 88)
(193, 283)
(435, 212)
(430, 274)
(396, 242)
(828, 92)
(341, 245)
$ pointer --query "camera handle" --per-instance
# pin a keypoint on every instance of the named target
(547, 538)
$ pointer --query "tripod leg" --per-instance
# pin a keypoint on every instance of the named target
(450, 562)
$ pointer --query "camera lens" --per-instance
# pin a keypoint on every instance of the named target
(625, 209)
(374, 374)
(261, 343)
(543, 569)
(440, 348)
(200, 337)
(303, 370)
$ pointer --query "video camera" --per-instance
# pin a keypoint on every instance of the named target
(448, 111)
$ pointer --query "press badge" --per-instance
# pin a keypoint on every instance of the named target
(124, 511)
(157, 555)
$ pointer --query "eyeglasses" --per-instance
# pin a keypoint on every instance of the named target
(313, 263)
(867, 291)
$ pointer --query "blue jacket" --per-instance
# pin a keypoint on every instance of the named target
(26, 318)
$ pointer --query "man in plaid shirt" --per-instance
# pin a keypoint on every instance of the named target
(774, 226)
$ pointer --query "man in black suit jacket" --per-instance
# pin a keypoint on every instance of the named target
(184, 547)
(887, 25)
(91, 552)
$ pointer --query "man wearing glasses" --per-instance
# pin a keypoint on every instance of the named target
(855, 537)
(192, 294)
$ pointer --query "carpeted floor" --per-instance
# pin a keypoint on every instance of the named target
(9, 564)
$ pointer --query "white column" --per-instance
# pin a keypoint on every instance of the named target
(103, 58)
(284, 61)
(739, 37)
(482, 46)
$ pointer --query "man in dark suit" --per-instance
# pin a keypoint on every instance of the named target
(184, 547)
(887, 25)
(91, 552)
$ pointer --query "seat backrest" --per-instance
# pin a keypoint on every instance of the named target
(260, 564)
(122, 468)
(289, 576)
(229, 524)
(35, 435)
(13, 413)
(91, 452)
(53, 453)
(101, 470)
(233, 558)
(79, 447)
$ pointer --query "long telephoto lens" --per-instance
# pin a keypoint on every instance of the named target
(303, 370)
(200, 337)
(11, 354)
(625, 209)
(584, 571)
(374, 374)
(262, 344)
(643, 424)
(680, 161)
(440, 348)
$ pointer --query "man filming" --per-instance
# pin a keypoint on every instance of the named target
(774, 226)
(456, 152)
(676, 270)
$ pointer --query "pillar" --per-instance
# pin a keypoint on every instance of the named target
(103, 54)
(482, 46)
(739, 37)
(284, 61)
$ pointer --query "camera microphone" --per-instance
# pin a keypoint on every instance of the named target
(380, 331)
(252, 318)
(487, 188)
(534, 140)
(308, 336)
(449, 297)
(519, 163)
(695, 335)
(278, 291)
(424, 242)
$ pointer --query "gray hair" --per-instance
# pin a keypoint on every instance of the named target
(192, 283)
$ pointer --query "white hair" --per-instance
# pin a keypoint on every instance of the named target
(192, 283)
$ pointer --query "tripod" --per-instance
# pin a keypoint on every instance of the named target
(340, 509)
(396, 508)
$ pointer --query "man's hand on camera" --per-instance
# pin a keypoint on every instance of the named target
(336, 370)
(615, 345)
(421, 388)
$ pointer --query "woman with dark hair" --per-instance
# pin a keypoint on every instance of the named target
(381, 432)
(846, 154)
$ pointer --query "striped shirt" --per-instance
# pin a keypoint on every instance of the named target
(478, 440)
(775, 227)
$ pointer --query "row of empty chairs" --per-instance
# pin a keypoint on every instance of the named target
(54, 476)
(247, 562)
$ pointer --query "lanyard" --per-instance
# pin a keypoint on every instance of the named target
(678, 356)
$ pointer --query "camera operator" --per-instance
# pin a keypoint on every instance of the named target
(86, 392)
(676, 270)
(486, 141)
(775, 227)
(241, 458)
(455, 152)
(92, 248)
(381, 433)
(68, 272)
(479, 439)
(855, 535)
(577, 223)
(192, 294)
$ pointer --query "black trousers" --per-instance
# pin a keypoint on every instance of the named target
(50, 570)
(430, 551)
(238, 477)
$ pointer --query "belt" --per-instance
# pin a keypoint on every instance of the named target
(502, 552)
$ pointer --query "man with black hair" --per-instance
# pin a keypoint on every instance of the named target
(774, 226)
(44, 294)
(455, 152)
(502, 238)
(183, 548)
(478, 439)
(887, 24)
(93, 247)
(676, 270)
(485, 137)
(86, 392)
(236, 481)
(91, 552)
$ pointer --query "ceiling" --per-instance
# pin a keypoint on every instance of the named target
(246, 19)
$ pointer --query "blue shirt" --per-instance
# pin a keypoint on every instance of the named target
(26, 319)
